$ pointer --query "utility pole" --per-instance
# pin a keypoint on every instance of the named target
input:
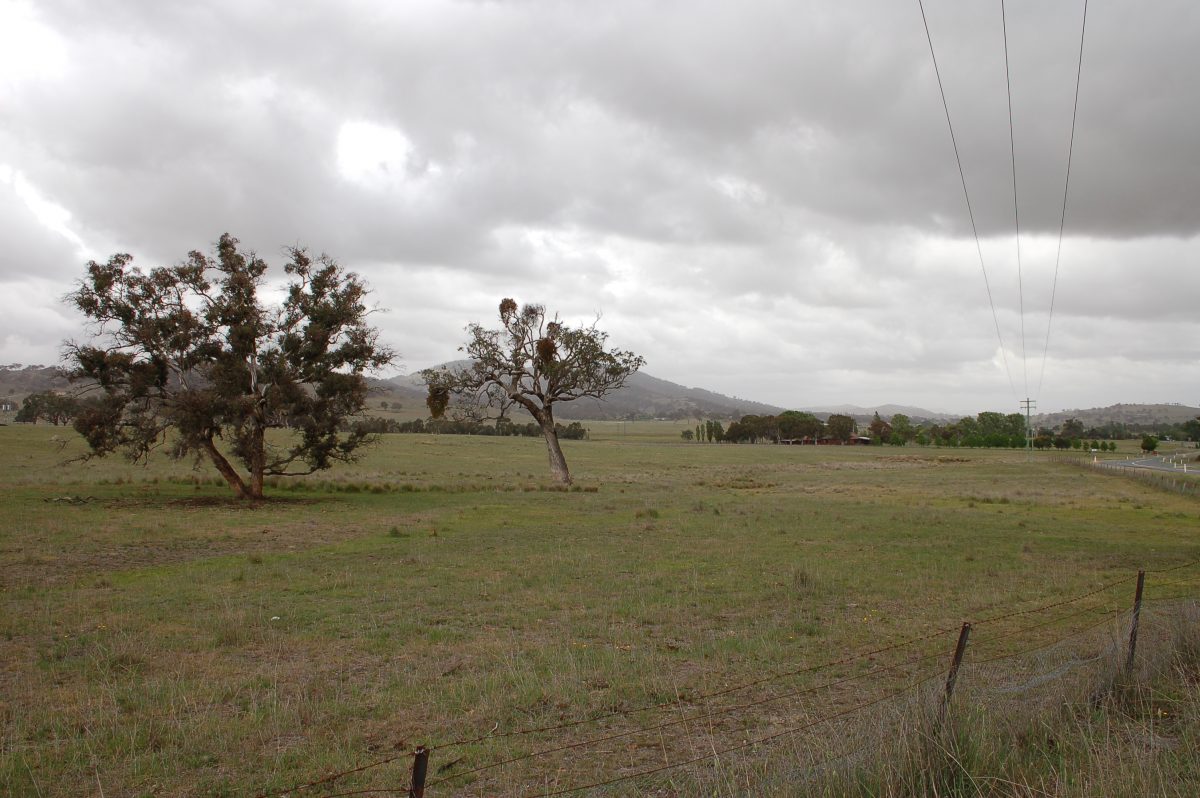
(1028, 404)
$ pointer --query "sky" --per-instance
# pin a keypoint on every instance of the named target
(761, 198)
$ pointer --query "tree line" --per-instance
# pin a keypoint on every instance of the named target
(988, 429)
(790, 425)
(49, 406)
(461, 426)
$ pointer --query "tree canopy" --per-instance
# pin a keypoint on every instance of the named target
(48, 405)
(189, 355)
(536, 363)
(841, 427)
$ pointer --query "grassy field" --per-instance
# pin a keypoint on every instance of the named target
(162, 639)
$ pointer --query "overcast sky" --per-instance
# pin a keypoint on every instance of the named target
(759, 197)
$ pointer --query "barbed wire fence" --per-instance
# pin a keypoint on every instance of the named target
(773, 729)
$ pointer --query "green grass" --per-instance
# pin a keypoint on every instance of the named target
(161, 638)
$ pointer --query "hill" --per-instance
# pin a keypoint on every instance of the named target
(643, 396)
(18, 380)
(916, 414)
(1133, 416)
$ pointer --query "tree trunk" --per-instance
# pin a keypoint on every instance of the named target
(558, 463)
(258, 461)
(258, 453)
(227, 471)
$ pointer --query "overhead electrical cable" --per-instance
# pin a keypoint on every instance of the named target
(1066, 188)
(967, 196)
(1016, 215)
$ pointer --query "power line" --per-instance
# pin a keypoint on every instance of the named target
(967, 196)
(1016, 215)
(1066, 187)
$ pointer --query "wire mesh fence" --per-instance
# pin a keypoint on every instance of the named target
(819, 725)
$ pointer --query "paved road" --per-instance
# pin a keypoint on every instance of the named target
(1158, 463)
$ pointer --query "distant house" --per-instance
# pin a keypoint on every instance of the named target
(855, 440)
(825, 440)
(8, 406)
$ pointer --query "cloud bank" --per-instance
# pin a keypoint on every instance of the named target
(761, 198)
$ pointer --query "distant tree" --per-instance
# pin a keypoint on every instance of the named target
(188, 355)
(1043, 442)
(687, 435)
(1014, 425)
(879, 429)
(995, 440)
(48, 406)
(1076, 443)
(794, 424)
(991, 424)
(1072, 429)
(739, 432)
(1191, 429)
(1061, 443)
(1149, 443)
(902, 426)
(841, 427)
(384, 404)
(754, 429)
(535, 363)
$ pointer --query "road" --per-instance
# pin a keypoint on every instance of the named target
(1175, 463)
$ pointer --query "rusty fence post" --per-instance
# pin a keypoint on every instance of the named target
(1133, 626)
(419, 768)
(952, 677)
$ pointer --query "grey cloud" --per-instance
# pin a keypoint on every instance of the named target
(833, 111)
(713, 177)
(30, 249)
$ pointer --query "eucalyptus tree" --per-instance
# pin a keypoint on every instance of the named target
(536, 363)
(191, 358)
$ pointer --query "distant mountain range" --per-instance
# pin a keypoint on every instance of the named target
(18, 381)
(645, 396)
(1136, 416)
(885, 411)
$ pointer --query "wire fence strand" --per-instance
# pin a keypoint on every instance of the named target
(749, 744)
(721, 712)
(1109, 615)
